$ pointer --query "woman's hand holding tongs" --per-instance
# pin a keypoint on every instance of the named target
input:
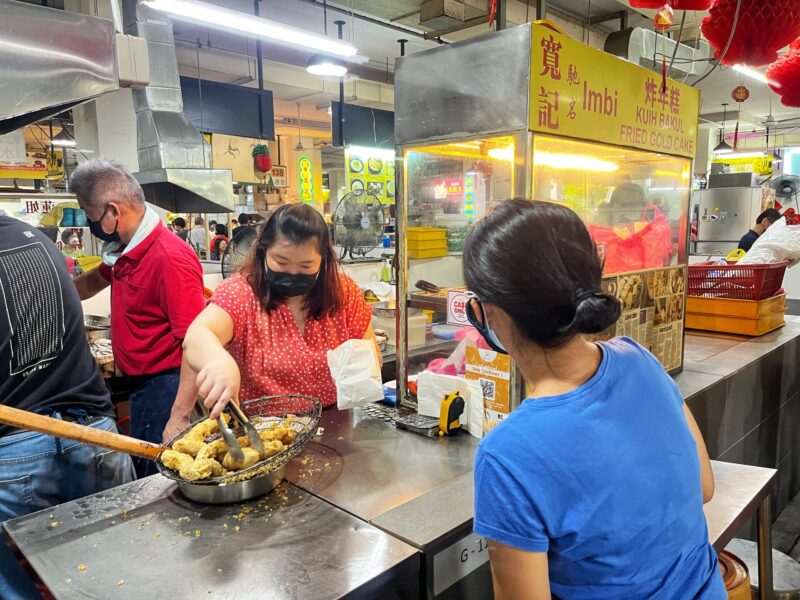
(218, 383)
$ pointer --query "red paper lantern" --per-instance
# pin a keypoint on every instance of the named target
(783, 76)
(740, 93)
(662, 20)
(764, 27)
(691, 4)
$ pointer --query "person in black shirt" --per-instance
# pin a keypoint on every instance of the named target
(764, 220)
(244, 223)
(179, 223)
(46, 367)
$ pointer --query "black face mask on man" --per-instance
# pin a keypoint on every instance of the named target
(290, 285)
(97, 229)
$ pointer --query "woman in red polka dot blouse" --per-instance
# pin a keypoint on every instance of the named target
(267, 329)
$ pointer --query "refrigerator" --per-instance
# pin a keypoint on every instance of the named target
(721, 216)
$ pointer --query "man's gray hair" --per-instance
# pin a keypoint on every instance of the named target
(98, 182)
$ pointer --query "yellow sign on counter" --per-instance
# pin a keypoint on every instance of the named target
(580, 92)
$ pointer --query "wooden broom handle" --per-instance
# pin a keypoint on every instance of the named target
(80, 433)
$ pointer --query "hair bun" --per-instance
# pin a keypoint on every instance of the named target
(595, 312)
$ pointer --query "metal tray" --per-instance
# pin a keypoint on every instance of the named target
(96, 323)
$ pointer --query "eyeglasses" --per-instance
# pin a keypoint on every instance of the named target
(471, 316)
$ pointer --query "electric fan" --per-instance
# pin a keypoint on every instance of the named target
(238, 250)
(786, 187)
(358, 223)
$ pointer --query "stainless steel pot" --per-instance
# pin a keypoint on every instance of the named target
(215, 493)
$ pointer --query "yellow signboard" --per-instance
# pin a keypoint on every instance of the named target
(580, 92)
(760, 165)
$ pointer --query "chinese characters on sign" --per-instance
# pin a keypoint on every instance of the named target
(548, 107)
(550, 58)
(36, 207)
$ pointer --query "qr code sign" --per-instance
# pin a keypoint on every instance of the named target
(487, 387)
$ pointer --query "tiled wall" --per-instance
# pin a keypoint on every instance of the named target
(752, 415)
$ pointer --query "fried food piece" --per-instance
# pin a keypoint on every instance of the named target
(287, 435)
(272, 447)
(215, 450)
(251, 457)
(268, 435)
(243, 441)
(208, 427)
(189, 445)
(201, 469)
(175, 460)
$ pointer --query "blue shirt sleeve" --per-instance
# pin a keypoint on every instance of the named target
(503, 510)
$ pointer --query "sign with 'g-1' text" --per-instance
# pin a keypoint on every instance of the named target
(584, 93)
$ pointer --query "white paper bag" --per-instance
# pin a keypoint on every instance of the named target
(433, 388)
(356, 372)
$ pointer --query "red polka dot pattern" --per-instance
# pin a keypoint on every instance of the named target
(273, 357)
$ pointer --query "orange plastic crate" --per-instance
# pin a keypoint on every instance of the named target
(737, 325)
(728, 307)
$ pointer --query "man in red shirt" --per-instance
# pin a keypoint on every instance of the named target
(156, 292)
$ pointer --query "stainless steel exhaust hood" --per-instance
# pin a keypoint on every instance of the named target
(174, 159)
(51, 61)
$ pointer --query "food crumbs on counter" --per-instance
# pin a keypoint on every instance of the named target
(224, 525)
(69, 580)
(81, 568)
(219, 570)
(120, 583)
(196, 533)
(183, 519)
(50, 516)
(157, 534)
(54, 524)
(125, 512)
(236, 529)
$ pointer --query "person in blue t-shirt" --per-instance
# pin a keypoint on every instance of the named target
(594, 486)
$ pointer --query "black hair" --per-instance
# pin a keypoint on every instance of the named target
(770, 215)
(220, 229)
(180, 222)
(244, 219)
(297, 223)
(537, 261)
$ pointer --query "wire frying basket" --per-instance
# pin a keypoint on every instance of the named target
(264, 413)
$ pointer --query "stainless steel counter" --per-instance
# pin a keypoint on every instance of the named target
(144, 540)
(367, 467)
(324, 540)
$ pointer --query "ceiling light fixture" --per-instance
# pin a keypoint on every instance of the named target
(63, 139)
(326, 66)
(752, 73)
(223, 18)
(723, 147)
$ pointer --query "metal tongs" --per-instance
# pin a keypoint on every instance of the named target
(249, 430)
(230, 438)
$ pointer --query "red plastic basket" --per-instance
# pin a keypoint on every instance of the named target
(741, 282)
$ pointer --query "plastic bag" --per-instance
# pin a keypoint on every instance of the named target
(356, 373)
(779, 243)
(432, 389)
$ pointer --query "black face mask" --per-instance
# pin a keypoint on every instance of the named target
(289, 285)
(97, 229)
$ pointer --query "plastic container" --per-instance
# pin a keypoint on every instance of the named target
(457, 227)
(420, 234)
(737, 325)
(416, 329)
(728, 307)
(735, 576)
(436, 252)
(743, 282)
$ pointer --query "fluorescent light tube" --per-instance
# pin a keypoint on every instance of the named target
(239, 22)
